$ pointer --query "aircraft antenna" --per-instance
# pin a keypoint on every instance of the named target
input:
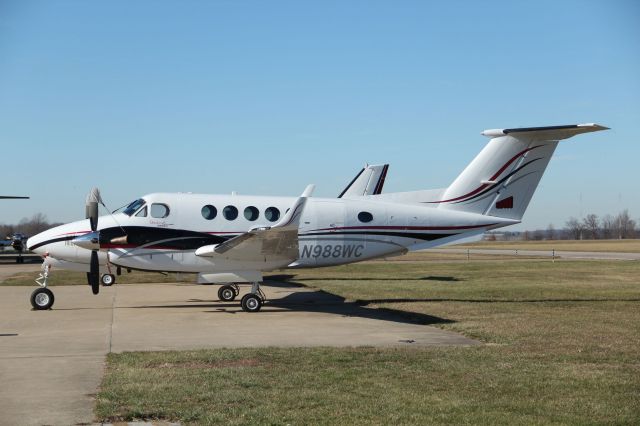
(112, 215)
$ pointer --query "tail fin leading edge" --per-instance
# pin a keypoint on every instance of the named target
(502, 178)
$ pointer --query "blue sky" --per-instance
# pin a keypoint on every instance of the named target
(266, 97)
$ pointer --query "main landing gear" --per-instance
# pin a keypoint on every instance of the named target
(250, 302)
(228, 292)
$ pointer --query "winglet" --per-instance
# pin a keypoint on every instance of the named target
(292, 217)
(308, 190)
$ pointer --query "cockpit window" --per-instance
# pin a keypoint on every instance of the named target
(142, 212)
(159, 211)
(133, 207)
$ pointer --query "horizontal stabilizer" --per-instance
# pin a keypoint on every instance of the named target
(549, 133)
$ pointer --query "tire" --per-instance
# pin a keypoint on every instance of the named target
(251, 302)
(226, 293)
(42, 299)
(108, 280)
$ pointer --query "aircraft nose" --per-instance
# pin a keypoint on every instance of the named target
(33, 244)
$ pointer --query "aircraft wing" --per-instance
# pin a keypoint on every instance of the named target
(264, 244)
(369, 181)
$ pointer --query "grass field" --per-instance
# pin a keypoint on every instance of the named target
(624, 246)
(561, 346)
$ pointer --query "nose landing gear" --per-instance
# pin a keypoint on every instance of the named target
(108, 279)
(42, 299)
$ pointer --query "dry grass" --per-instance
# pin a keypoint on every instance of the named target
(620, 246)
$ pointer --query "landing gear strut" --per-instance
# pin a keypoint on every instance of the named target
(42, 298)
(252, 302)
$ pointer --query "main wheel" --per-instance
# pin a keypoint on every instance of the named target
(226, 293)
(108, 279)
(42, 299)
(251, 302)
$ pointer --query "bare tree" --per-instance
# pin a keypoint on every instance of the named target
(625, 226)
(551, 232)
(575, 228)
(591, 225)
(33, 226)
(608, 227)
(6, 231)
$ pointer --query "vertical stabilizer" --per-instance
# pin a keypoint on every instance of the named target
(502, 178)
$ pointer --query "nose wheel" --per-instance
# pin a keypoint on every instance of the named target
(42, 299)
(108, 279)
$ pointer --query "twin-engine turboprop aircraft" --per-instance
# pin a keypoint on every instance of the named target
(232, 239)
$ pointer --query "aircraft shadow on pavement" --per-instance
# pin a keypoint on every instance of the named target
(323, 301)
(311, 301)
(427, 278)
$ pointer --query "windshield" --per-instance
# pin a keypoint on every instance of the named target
(133, 207)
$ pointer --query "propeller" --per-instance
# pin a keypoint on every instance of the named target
(91, 240)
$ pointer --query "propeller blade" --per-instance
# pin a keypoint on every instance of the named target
(93, 198)
(93, 276)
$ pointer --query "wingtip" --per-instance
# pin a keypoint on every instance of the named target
(308, 190)
(594, 126)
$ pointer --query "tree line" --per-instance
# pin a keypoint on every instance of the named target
(28, 226)
(592, 227)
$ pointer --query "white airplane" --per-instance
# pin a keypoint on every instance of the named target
(232, 239)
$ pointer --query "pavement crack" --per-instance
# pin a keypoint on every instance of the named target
(113, 310)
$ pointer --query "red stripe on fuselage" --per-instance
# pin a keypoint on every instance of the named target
(484, 185)
(409, 228)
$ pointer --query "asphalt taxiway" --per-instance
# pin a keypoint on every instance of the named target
(51, 362)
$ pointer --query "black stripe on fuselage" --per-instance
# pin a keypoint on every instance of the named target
(51, 241)
(173, 239)
(176, 239)
(412, 235)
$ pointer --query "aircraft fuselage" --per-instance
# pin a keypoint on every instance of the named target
(164, 231)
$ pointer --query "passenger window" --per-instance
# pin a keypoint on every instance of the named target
(159, 211)
(142, 212)
(365, 217)
(230, 213)
(272, 214)
(209, 212)
(251, 213)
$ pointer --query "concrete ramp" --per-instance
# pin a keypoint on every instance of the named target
(51, 362)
